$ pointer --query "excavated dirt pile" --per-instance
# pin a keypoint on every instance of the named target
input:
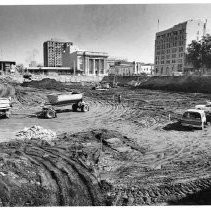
(20, 95)
(6, 87)
(49, 84)
(98, 167)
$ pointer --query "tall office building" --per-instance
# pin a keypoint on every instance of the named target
(171, 47)
(52, 52)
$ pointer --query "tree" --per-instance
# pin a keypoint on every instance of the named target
(194, 54)
(20, 68)
(199, 53)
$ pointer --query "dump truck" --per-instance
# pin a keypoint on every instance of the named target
(58, 101)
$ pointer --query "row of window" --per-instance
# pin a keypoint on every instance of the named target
(173, 33)
(172, 39)
(169, 61)
(173, 50)
(169, 45)
(167, 70)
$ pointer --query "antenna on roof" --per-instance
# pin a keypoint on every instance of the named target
(158, 24)
(204, 29)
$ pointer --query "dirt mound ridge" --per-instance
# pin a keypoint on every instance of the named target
(190, 84)
(6, 88)
(49, 84)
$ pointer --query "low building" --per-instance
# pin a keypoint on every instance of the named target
(147, 69)
(49, 71)
(86, 62)
(125, 68)
(7, 67)
(122, 68)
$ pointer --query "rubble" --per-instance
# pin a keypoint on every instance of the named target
(36, 132)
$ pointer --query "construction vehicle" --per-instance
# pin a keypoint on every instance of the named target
(57, 101)
(5, 106)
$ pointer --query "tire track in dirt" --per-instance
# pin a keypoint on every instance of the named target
(72, 180)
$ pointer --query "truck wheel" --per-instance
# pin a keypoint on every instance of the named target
(7, 114)
(50, 114)
(74, 107)
(85, 108)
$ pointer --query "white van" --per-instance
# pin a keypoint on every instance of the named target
(194, 118)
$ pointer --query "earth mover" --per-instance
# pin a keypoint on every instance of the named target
(57, 101)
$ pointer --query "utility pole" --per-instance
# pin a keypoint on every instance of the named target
(74, 66)
(204, 29)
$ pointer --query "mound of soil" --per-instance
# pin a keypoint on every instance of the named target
(49, 84)
(190, 84)
(6, 88)
(82, 169)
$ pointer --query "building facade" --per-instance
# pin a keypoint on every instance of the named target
(7, 67)
(171, 47)
(86, 62)
(147, 69)
(52, 52)
(122, 68)
(125, 68)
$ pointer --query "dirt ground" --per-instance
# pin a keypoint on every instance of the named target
(128, 153)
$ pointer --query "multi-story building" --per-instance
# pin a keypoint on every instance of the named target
(52, 52)
(85, 62)
(171, 47)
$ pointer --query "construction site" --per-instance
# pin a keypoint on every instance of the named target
(118, 151)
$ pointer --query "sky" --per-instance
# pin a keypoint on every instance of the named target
(126, 31)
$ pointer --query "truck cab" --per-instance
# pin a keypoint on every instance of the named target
(194, 118)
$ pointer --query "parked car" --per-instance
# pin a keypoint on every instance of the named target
(194, 118)
(205, 107)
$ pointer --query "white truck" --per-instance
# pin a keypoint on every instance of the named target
(5, 106)
(194, 118)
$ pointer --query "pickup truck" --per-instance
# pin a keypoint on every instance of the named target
(5, 106)
(194, 118)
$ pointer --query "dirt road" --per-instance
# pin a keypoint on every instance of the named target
(156, 161)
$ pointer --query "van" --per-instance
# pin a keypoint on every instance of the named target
(194, 118)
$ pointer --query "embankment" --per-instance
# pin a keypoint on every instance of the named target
(123, 80)
(189, 84)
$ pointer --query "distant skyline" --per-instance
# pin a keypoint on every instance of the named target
(126, 31)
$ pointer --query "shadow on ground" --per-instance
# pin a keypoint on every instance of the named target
(199, 198)
(176, 126)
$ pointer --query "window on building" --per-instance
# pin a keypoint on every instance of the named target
(179, 67)
(180, 49)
